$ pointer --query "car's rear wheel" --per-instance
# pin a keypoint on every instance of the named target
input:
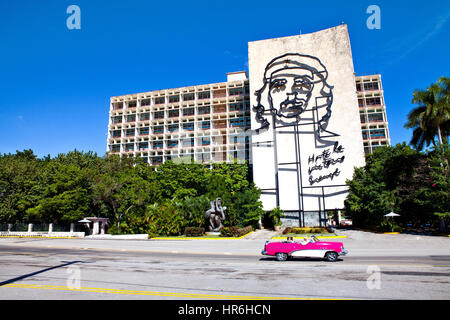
(281, 256)
(331, 256)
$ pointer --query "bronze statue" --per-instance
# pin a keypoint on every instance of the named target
(215, 216)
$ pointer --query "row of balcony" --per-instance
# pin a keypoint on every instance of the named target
(188, 97)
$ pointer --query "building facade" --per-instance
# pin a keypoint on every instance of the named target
(372, 110)
(198, 123)
(301, 119)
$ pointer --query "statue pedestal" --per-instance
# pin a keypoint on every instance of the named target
(212, 233)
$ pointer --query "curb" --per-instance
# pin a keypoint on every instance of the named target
(40, 237)
(324, 237)
(201, 238)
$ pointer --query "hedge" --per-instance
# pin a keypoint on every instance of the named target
(305, 230)
(235, 231)
(194, 231)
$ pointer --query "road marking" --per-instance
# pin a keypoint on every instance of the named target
(155, 293)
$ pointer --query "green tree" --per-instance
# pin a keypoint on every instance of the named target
(21, 184)
(431, 118)
(390, 180)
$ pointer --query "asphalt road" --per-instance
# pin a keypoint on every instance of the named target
(114, 269)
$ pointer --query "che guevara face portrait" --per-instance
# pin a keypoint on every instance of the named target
(292, 84)
(290, 92)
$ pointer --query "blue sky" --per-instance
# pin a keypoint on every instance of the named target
(55, 83)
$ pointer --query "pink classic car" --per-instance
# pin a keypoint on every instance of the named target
(312, 248)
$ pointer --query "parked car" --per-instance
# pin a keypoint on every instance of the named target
(312, 248)
(346, 223)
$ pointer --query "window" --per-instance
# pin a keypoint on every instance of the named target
(116, 119)
(188, 142)
(129, 132)
(173, 127)
(373, 101)
(145, 102)
(358, 87)
(158, 129)
(205, 125)
(143, 145)
(144, 116)
(160, 100)
(144, 131)
(371, 86)
(188, 126)
(129, 147)
(378, 133)
(188, 112)
(158, 115)
(115, 133)
(173, 99)
(205, 141)
(172, 143)
(131, 118)
(132, 104)
(174, 113)
(118, 105)
(375, 117)
(115, 148)
(204, 95)
(236, 107)
(204, 110)
(188, 97)
(364, 134)
(158, 144)
(156, 160)
(235, 91)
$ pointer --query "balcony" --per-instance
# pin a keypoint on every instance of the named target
(220, 94)
(220, 109)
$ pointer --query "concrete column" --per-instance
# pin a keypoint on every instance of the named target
(50, 228)
(30, 227)
(9, 227)
(102, 229)
(72, 227)
(95, 228)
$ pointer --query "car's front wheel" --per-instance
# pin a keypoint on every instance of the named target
(331, 256)
(281, 256)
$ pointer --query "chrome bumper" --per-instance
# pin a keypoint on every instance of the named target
(264, 252)
(343, 252)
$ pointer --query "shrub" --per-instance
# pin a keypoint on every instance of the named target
(304, 230)
(276, 214)
(194, 231)
(235, 231)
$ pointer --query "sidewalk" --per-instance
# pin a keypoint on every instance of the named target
(261, 234)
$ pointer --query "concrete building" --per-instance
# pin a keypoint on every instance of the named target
(301, 118)
(372, 110)
(202, 123)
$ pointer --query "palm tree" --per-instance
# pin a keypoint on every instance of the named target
(432, 116)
